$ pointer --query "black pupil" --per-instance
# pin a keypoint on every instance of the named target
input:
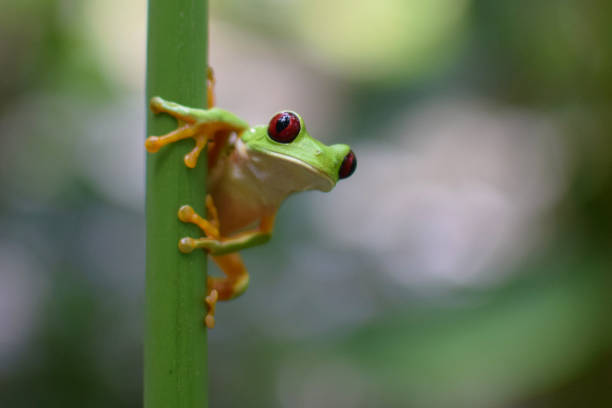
(282, 123)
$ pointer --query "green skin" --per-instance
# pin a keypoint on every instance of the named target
(255, 174)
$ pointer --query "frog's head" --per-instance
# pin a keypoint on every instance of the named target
(287, 147)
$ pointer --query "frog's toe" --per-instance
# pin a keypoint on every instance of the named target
(152, 144)
(186, 213)
(156, 104)
(211, 302)
(186, 245)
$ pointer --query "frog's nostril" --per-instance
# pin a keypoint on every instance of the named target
(348, 166)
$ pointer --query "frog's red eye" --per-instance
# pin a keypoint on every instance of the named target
(284, 127)
(348, 166)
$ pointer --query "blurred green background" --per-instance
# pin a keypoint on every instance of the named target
(466, 263)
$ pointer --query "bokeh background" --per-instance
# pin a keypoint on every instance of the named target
(466, 263)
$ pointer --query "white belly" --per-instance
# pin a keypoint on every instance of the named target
(242, 191)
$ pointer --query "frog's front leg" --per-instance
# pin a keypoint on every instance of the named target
(191, 129)
(224, 251)
(199, 124)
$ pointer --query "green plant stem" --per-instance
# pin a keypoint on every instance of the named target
(175, 370)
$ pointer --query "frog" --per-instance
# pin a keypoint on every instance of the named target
(251, 171)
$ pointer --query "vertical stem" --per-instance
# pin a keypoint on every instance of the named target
(175, 371)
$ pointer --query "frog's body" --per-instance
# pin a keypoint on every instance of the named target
(246, 184)
(251, 171)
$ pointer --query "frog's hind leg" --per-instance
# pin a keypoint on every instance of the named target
(209, 227)
(236, 278)
(233, 284)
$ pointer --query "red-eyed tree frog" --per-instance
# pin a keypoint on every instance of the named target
(251, 171)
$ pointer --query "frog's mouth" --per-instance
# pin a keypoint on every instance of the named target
(283, 171)
(325, 182)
